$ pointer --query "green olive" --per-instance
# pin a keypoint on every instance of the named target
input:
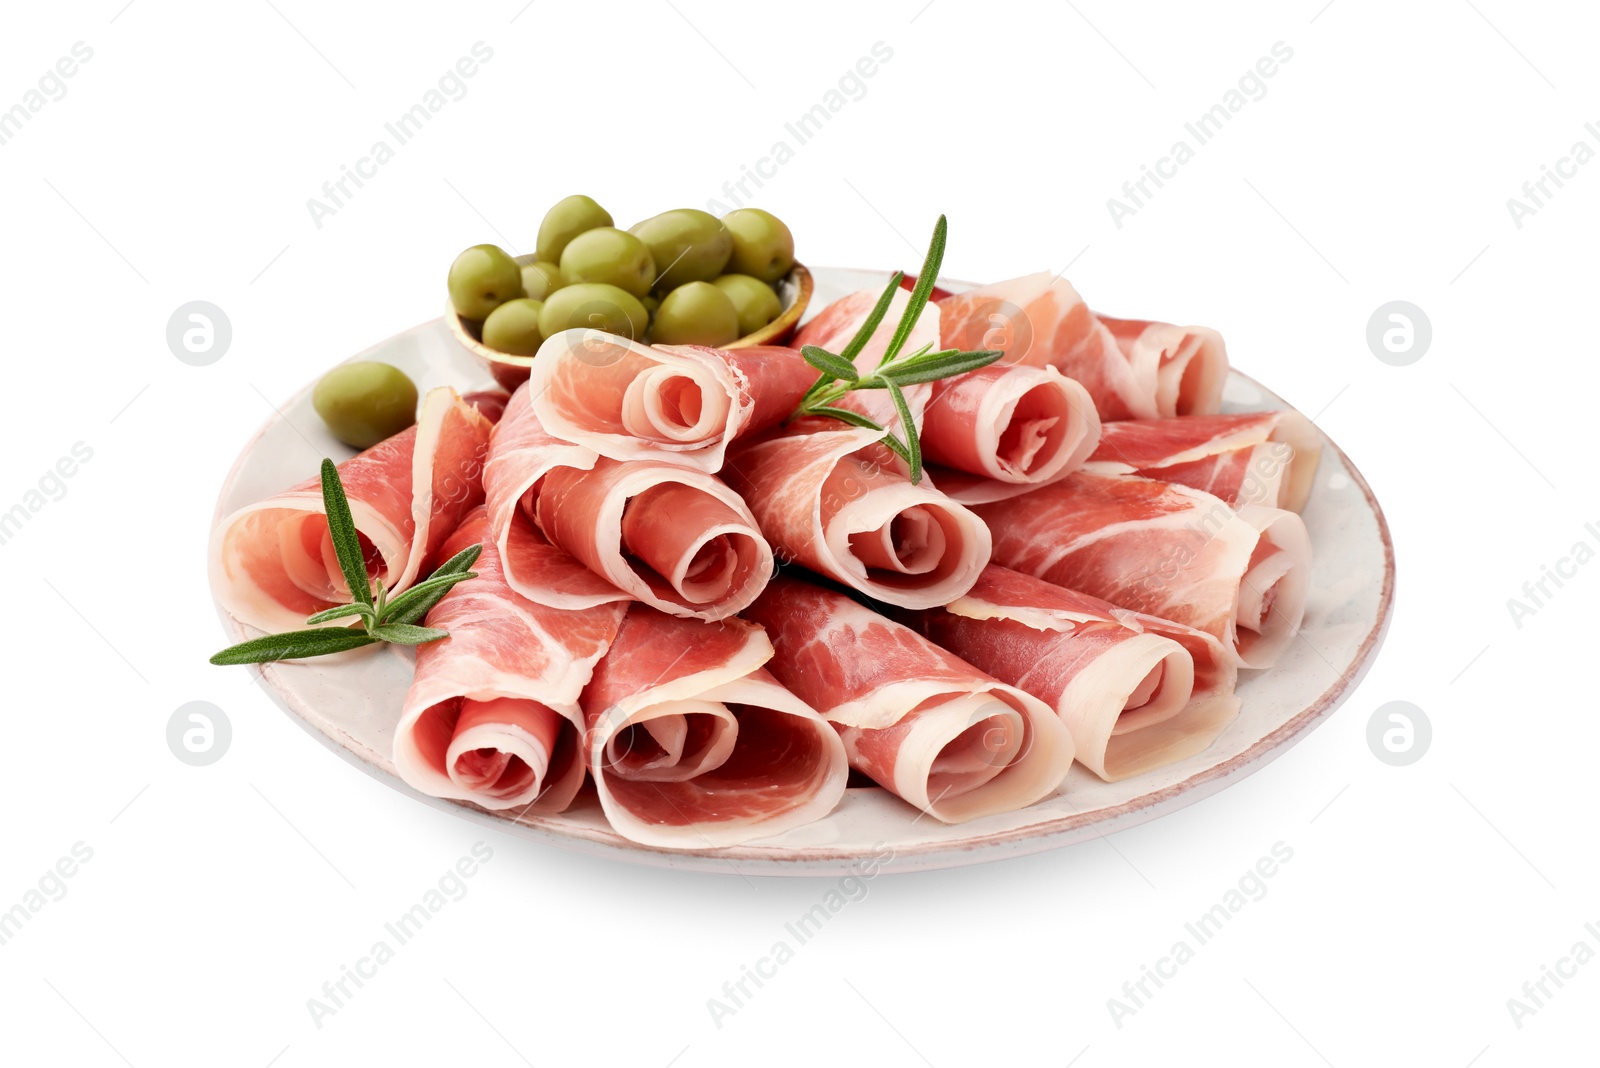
(696, 313)
(689, 245)
(614, 257)
(596, 306)
(762, 246)
(513, 328)
(481, 279)
(365, 402)
(753, 300)
(539, 280)
(569, 218)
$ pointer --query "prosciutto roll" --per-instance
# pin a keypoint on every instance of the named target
(923, 724)
(692, 744)
(678, 403)
(835, 325)
(1265, 458)
(1134, 691)
(492, 715)
(578, 530)
(842, 504)
(1166, 550)
(1133, 370)
(1000, 431)
(272, 564)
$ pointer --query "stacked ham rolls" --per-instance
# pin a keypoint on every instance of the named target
(1092, 554)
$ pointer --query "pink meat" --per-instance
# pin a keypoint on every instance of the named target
(840, 503)
(677, 403)
(272, 563)
(834, 326)
(1134, 691)
(578, 530)
(692, 744)
(492, 715)
(1265, 458)
(1000, 431)
(923, 724)
(1166, 550)
(1133, 370)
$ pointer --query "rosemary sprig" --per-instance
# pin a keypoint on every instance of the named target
(382, 619)
(837, 374)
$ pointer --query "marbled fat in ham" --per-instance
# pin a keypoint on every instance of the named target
(1167, 550)
(1133, 370)
(272, 563)
(838, 501)
(492, 715)
(1136, 692)
(922, 723)
(576, 529)
(691, 742)
(677, 403)
(1267, 458)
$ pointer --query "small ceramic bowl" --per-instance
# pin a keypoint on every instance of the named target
(794, 293)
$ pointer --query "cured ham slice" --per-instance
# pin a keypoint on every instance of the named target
(1190, 362)
(840, 503)
(692, 744)
(1265, 458)
(1133, 370)
(1166, 550)
(835, 325)
(999, 431)
(492, 715)
(923, 724)
(678, 403)
(577, 530)
(272, 563)
(1134, 691)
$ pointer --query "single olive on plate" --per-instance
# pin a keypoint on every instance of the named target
(570, 217)
(763, 247)
(481, 279)
(610, 256)
(513, 328)
(696, 313)
(595, 306)
(541, 279)
(365, 402)
(689, 245)
(755, 302)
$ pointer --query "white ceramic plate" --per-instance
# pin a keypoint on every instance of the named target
(352, 704)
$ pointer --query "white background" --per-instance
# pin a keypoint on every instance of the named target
(1377, 167)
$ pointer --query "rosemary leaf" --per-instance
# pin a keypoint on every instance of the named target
(912, 442)
(340, 612)
(293, 645)
(418, 601)
(342, 529)
(829, 364)
(406, 634)
(956, 364)
(921, 291)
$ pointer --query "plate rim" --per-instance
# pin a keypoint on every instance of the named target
(819, 861)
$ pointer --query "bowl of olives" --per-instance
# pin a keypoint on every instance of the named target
(684, 277)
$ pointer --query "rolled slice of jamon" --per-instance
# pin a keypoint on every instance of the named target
(1267, 458)
(1166, 550)
(1000, 431)
(577, 530)
(920, 722)
(1135, 692)
(272, 563)
(1133, 370)
(693, 745)
(834, 326)
(678, 403)
(492, 715)
(841, 503)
